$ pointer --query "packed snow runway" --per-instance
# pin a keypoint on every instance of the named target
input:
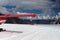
(30, 32)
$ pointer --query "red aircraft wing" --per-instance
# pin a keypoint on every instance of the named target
(3, 18)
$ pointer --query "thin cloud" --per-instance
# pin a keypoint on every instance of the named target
(30, 4)
(3, 10)
(3, 2)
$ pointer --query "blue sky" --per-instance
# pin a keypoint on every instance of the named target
(43, 7)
